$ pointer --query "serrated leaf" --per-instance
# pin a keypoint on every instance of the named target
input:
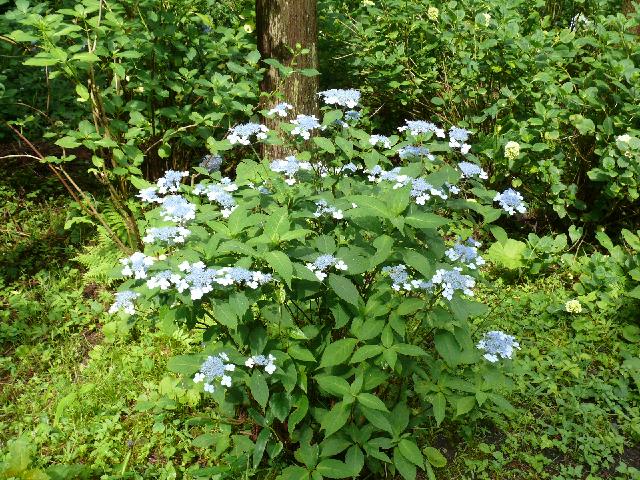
(301, 409)
(345, 289)
(335, 419)
(259, 388)
(365, 352)
(281, 264)
(439, 403)
(336, 386)
(338, 352)
(404, 466)
(426, 220)
(325, 144)
(371, 401)
(184, 364)
(448, 348)
(411, 452)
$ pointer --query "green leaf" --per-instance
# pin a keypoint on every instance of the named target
(434, 457)
(378, 419)
(259, 388)
(281, 264)
(335, 419)
(439, 404)
(365, 352)
(325, 144)
(185, 365)
(508, 254)
(86, 57)
(331, 468)
(280, 404)
(42, 60)
(411, 350)
(336, 386)
(67, 142)
(344, 289)
(83, 93)
(426, 220)
(448, 348)
(302, 407)
(465, 404)
(331, 116)
(371, 401)
(299, 353)
(224, 314)
(411, 452)
(261, 443)
(338, 352)
(204, 441)
(406, 468)
(277, 224)
(294, 472)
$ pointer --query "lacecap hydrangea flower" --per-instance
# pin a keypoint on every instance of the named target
(124, 301)
(149, 195)
(267, 362)
(321, 264)
(213, 368)
(304, 124)
(470, 170)
(412, 151)
(452, 281)
(416, 127)
(290, 166)
(348, 98)
(457, 139)
(170, 235)
(177, 209)
(323, 208)
(163, 280)
(497, 344)
(170, 181)
(400, 277)
(242, 133)
(136, 265)
(280, 109)
(219, 193)
(510, 201)
(380, 139)
(466, 253)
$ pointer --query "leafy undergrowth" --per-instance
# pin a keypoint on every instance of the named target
(577, 402)
(75, 403)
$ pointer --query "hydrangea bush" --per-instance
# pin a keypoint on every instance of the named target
(332, 287)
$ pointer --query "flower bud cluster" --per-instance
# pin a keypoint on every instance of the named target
(466, 253)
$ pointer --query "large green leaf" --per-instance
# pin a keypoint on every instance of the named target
(338, 352)
(281, 264)
(345, 289)
(335, 418)
(426, 220)
(259, 388)
(448, 348)
(508, 254)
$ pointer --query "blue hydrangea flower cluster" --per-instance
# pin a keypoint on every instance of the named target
(163, 280)
(290, 166)
(124, 301)
(380, 139)
(352, 115)
(267, 362)
(170, 181)
(304, 124)
(400, 277)
(378, 174)
(349, 167)
(417, 127)
(421, 191)
(511, 201)
(211, 162)
(280, 109)
(458, 137)
(323, 263)
(242, 133)
(219, 193)
(176, 208)
(149, 195)
(200, 279)
(323, 208)
(213, 368)
(470, 170)
(348, 98)
(136, 265)
(169, 235)
(412, 151)
(466, 253)
(497, 344)
(452, 280)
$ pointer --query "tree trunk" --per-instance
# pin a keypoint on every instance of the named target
(280, 25)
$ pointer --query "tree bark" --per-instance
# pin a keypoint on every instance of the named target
(280, 25)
